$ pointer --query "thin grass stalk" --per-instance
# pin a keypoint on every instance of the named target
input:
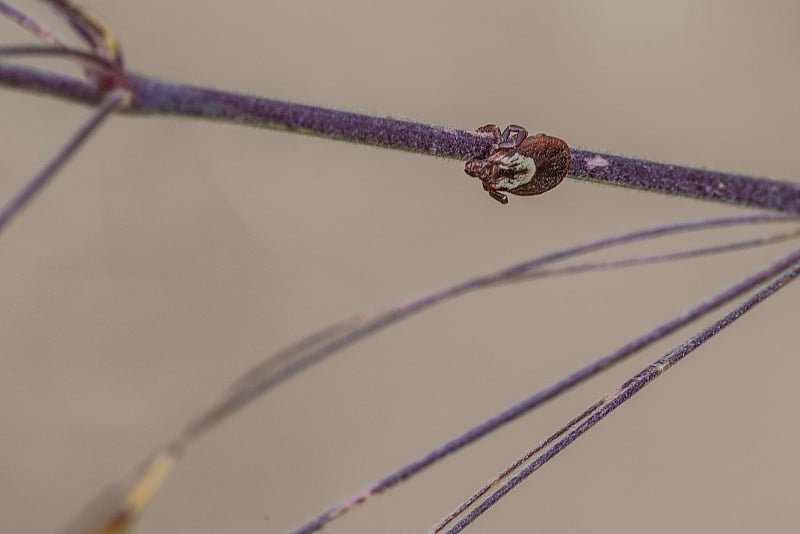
(597, 412)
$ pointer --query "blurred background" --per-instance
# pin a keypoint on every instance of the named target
(171, 255)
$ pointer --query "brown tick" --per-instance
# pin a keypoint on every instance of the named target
(519, 164)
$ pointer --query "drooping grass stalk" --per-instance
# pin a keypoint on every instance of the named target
(89, 28)
(665, 257)
(131, 496)
(40, 50)
(522, 468)
(30, 24)
(278, 368)
(549, 392)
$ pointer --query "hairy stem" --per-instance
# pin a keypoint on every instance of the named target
(152, 96)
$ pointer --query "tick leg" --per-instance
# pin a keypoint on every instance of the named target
(497, 195)
(492, 129)
(506, 141)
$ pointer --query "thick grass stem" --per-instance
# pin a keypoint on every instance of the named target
(152, 96)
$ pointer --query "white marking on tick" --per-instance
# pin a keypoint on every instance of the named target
(595, 162)
(523, 168)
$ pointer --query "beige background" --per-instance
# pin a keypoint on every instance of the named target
(172, 254)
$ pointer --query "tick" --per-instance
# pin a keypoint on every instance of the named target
(519, 164)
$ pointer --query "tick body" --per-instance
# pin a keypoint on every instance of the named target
(519, 164)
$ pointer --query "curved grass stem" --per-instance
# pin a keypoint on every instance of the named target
(548, 393)
(532, 460)
(30, 24)
(46, 50)
(127, 499)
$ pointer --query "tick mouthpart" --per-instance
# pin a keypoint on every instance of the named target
(477, 168)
